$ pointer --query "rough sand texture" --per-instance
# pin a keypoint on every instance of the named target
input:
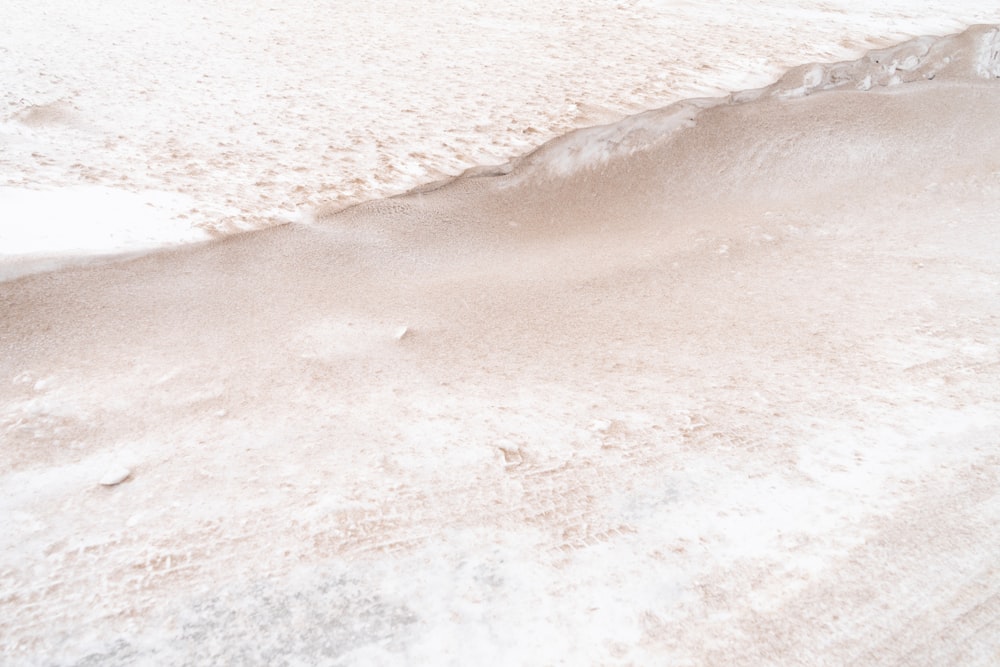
(722, 395)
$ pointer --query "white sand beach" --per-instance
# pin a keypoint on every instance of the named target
(681, 347)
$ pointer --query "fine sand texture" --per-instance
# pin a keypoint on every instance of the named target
(715, 384)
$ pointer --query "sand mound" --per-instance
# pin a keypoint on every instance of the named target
(973, 55)
(751, 149)
(712, 385)
(55, 113)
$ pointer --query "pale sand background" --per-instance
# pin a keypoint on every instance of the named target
(713, 386)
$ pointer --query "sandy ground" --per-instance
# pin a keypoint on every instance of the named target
(714, 385)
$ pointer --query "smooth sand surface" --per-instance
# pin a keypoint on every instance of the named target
(714, 386)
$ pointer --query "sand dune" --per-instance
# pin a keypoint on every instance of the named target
(256, 113)
(712, 385)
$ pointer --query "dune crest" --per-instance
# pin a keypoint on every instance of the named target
(973, 54)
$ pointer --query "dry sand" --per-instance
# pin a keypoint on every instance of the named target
(717, 385)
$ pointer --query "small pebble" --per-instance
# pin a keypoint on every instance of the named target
(115, 475)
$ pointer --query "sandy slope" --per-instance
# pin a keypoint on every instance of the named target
(717, 387)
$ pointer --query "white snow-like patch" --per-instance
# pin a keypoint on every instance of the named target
(90, 220)
(988, 65)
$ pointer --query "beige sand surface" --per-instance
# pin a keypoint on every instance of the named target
(715, 386)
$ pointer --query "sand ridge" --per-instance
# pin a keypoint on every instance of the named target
(258, 113)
